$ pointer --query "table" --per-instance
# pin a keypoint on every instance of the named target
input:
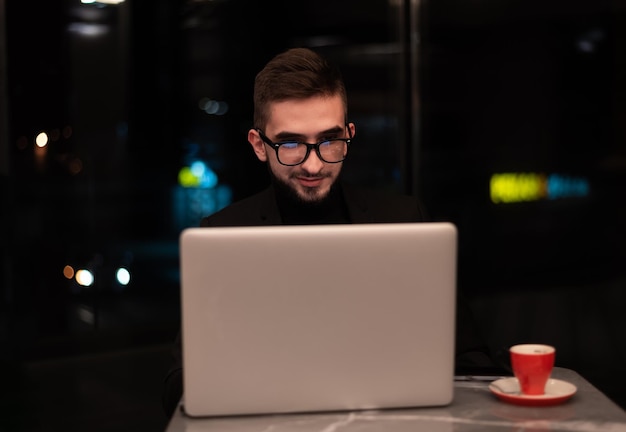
(474, 409)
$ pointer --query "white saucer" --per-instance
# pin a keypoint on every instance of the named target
(508, 390)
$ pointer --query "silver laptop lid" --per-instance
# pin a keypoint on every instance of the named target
(317, 318)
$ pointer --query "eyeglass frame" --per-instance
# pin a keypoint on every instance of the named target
(309, 146)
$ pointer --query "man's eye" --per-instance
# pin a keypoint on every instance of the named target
(289, 145)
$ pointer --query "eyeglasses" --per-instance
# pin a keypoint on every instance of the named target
(291, 153)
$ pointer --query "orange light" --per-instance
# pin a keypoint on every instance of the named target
(68, 271)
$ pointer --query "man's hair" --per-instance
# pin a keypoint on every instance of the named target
(298, 73)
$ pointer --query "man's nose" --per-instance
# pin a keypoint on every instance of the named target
(313, 164)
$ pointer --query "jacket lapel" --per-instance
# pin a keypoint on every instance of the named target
(268, 209)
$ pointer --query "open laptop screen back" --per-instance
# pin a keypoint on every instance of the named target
(317, 318)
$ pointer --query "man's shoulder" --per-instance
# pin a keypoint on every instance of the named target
(373, 194)
(382, 205)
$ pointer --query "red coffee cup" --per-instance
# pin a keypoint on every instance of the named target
(532, 365)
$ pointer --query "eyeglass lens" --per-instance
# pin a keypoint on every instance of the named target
(330, 151)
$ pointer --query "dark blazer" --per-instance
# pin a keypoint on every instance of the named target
(364, 206)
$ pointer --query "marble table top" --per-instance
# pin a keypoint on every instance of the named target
(474, 408)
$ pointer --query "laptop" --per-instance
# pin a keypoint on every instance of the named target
(289, 319)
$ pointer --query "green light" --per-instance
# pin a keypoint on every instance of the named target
(186, 178)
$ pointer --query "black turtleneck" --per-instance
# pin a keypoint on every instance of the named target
(295, 211)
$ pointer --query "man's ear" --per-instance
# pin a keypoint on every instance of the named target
(257, 145)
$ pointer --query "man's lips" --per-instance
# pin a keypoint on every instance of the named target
(310, 181)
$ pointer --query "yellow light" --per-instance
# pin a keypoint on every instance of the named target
(41, 140)
(517, 187)
(84, 277)
(186, 178)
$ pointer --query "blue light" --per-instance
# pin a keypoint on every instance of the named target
(560, 186)
(198, 175)
(198, 168)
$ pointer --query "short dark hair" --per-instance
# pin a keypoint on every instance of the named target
(298, 73)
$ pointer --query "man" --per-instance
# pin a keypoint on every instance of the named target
(299, 98)
(302, 133)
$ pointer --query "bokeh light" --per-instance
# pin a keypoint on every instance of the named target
(84, 277)
(123, 276)
(68, 271)
(41, 140)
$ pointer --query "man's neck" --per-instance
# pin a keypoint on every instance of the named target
(296, 211)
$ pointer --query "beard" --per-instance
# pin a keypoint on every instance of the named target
(311, 198)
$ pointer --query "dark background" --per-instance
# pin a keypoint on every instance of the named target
(443, 97)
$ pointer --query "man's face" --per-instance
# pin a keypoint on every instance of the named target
(307, 120)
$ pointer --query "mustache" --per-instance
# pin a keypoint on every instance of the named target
(304, 173)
